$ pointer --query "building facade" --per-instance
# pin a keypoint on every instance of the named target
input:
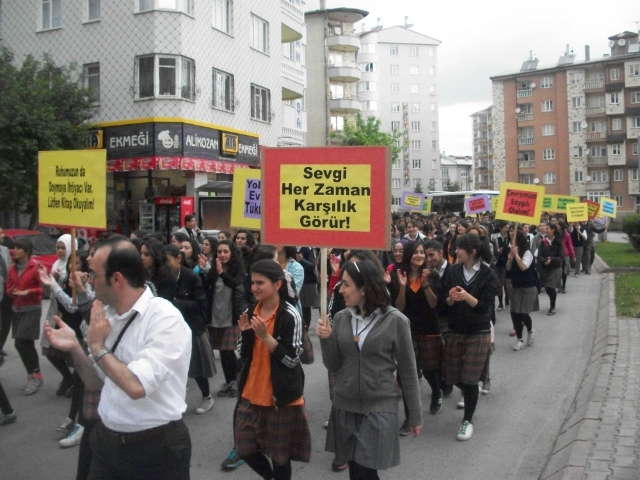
(456, 172)
(572, 127)
(483, 149)
(184, 91)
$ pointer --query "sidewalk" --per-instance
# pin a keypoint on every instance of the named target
(601, 437)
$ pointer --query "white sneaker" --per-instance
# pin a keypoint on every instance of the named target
(326, 424)
(518, 345)
(205, 406)
(65, 426)
(530, 338)
(461, 402)
(465, 432)
(73, 438)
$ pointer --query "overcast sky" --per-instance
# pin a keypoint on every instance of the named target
(481, 39)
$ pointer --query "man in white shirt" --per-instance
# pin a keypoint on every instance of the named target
(141, 434)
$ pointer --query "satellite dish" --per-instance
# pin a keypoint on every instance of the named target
(611, 43)
(536, 181)
(622, 42)
(588, 178)
(584, 124)
(517, 110)
(533, 85)
(585, 146)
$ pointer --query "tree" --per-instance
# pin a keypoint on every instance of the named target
(432, 184)
(418, 187)
(451, 186)
(367, 132)
(42, 107)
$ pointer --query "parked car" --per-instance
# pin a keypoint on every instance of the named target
(44, 247)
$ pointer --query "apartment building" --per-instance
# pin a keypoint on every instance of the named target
(456, 172)
(572, 127)
(483, 149)
(184, 91)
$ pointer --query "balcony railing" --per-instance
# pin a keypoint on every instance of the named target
(596, 135)
(525, 141)
(597, 161)
(526, 164)
(597, 185)
(345, 64)
(523, 117)
(593, 85)
(292, 10)
(595, 110)
(524, 93)
(293, 72)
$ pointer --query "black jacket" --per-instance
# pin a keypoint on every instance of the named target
(287, 377)
(190, 299)
(555, 252)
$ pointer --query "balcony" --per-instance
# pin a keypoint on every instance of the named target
(479, 125)
(597, 161)
(347, 72)
(343, 43)
(594, 85)
(596, 136)
(524, 93)
(525, 141)
(293, 81)
(526, 164)
(292, 22)
(633, 133)
(597, 185)
(525, 117)
(347, 104)
(617, 160)
(482, 166)
(591, 111)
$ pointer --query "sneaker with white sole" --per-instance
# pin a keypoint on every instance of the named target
(65, 426)
(224, 390)
(7, 418)
(326, 424)
(73, 438)
(205, 406)
(465, 432)
(531, 338)
(486, 387)
(34, 382)
(461, 403)
(232, 462)
(405, 429)
(518, 345)
(233, 389)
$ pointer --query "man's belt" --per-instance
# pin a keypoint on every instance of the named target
(143, 436)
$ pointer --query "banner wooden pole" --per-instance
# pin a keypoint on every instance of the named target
(323, 283)
(72, 266)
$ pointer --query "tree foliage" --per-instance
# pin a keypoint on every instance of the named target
(367, 132)
(451, 186)
(42, 107)
(418, 187)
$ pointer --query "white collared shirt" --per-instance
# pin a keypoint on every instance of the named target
(469, 274)
(362, 326)
(157, 349)
(443, 268)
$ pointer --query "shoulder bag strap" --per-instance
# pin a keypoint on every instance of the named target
(115, 345)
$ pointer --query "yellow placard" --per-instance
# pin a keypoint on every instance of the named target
(577, 212)
(325, 197)
(608, 207)
(246, 199)
(558, 203)
(426, 207)
(494, 204)
(520, 202)
(72, 188)
(413, 201)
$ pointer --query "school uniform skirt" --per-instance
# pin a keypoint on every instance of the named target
(465, 357)
(309, 296)
(25, 325)
(202, 363)
(525, 300)
(369, 439)
(428, 350)
(551, 278)
(281, 434)
(224, 339)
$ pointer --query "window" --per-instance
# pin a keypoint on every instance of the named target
(367, 86)
(546, 82)
(432, 70)
(260, 34)
(395, 183)
(600, 175)
(414, 70)
(576, 127)
(415, 88)
(432, 89)
(368, 48)
(415, 126)
(395, 125)
(549, 154)
(337, 123)
(548, 130)
(395, 107)
(335, 59)
(51, 14)
(416, 163)
(415, 144)
(368, 67)
(575, 77)
(93, 10)
(635, 97)
(413, 51)
(336, 91)
(549, 178)
(92, 81)
(578, 176)
(395, 200)
(547, 106)
(393, 50)
(634, 70)
(595, 196)
(432, 51)
(165, 76)
(616, 148)
(395, 165)
(434, 145)
(223, 98)
(289, 50)
(597, 101)
(616, 124)
(434, 126)
(184, 6)
(415, 107)
(618, 199)
(614, 74)
(395, 88)
(599, 151)
(614, 98)
(223, 15)
(618, 175)
(577, 152)
(395, 69)
(464, 174)
(260, 103)
(416, 182)
(634, 148)
(576, 102)
(433, 106)
(636, 122)
(633, 173)
(527, 178)
(370, 105)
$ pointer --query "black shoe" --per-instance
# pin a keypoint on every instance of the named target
(65, 385)
(405, 429)
(336, 467)
(69, 393)
(552, 311)
(436, 404)
(3, 353)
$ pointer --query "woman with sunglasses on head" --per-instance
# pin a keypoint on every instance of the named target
(364, 346)
(471, 287)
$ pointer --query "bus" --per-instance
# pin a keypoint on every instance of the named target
(454, 201)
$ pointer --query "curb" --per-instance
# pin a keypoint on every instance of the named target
(569, 455)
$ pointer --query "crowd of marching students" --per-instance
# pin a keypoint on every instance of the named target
(424, 309)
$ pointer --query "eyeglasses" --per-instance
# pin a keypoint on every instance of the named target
(92, 275)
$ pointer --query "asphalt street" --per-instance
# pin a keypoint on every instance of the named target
(514, 426)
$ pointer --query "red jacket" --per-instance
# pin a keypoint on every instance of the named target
(29, 280)
(569, 251)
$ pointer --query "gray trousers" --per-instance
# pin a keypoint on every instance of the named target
(579, 253)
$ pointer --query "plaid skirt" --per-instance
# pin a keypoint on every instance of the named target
(525, 300)
(465, 357)
(202, 363)
(224, 339)
(428, 350)
(281, 434)
(26, 325)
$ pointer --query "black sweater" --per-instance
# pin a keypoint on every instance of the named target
(423, 319)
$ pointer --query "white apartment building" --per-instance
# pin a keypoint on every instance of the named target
(483, 148)
(203, 83)
(456, 171)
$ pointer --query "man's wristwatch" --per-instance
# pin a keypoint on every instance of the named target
(100, 354)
